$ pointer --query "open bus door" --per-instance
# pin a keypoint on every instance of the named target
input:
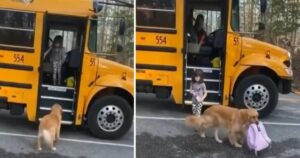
(214, 21)
(72, 29)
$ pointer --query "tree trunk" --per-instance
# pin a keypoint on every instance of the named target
(251, 15)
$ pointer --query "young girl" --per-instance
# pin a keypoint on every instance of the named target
(57, 58)
(198, 91)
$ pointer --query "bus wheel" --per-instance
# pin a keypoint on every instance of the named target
(110, 117)
(258, 92)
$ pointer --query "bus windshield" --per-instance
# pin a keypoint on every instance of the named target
(246, 16)
(105, 38)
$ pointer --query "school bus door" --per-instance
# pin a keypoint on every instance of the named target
(89, 68)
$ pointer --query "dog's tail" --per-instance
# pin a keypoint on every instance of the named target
(198, 121)
(193, 121)
(46, 136)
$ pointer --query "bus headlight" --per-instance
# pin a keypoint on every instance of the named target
(288, 63)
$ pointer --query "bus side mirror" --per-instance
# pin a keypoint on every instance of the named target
(263, 6)
(97, 6)
(122, 27)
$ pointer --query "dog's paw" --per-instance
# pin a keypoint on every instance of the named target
(203, 135)
(238, 145)
(39, 149)
(54, 148)
(220, 141)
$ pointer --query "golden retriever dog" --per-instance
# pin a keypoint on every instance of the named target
(49, 128)
(236, 121)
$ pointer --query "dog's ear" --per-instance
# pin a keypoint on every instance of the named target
(60, 109)
(244, 115)
(252, 115)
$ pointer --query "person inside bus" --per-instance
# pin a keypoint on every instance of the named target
(57, 57)
(198, 34)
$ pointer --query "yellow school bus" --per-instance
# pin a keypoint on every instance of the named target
(94, 90)
(251, 72)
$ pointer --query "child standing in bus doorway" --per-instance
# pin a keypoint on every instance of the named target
(198, 92)
(57, 58)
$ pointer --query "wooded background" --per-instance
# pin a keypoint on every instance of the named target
(111, 45)
(282, 22)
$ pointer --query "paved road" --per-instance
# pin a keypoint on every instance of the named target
(161, 132)
(17, 139)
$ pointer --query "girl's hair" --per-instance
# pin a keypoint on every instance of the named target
(200, 74)
(197, 22)
(58, 39)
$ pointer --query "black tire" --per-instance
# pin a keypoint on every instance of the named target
(99, 104)
(268, 84)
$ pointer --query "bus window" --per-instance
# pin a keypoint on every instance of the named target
(93, 36)
(249, 15)
(69, 38)
(106, 41)
(156, 14)
(17, 30)
(212, 19)
(235, 15)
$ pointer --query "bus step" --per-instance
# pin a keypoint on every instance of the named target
(205, 80)
(57, 91)
(57, 98)
(66, 122)
(49, 109)
(213, 86)
(211, 97)
(48, 103)
(208, 91)
(213, 74)
(202, 68)
(63, 122)
(206, 103)
(57, 88)
(67, 115)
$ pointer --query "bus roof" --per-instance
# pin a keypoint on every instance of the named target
(65, 7)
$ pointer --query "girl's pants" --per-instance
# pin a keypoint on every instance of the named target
(57, 72)
(196, 108)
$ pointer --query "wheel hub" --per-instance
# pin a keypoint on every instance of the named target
(110, 118)
(256, 96)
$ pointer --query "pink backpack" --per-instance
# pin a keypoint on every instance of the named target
(257, 138)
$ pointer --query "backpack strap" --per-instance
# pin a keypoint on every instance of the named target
(263, 132)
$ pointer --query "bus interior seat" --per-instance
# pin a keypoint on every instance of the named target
(202, 58)
(219, 39)
(74, 59)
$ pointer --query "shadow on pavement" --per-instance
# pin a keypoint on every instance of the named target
(43, 154)
(193, 146)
